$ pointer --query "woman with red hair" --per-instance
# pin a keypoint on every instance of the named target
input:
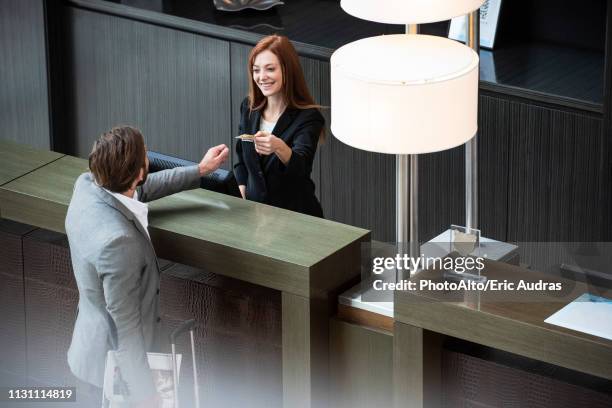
(274, 166)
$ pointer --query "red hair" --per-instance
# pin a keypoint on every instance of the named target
(295, 90)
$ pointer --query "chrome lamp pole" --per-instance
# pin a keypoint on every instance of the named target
(472, 36)
(407, 183)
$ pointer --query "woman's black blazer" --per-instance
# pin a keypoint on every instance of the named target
(266, 178)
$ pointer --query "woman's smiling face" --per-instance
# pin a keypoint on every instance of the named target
(267, 73)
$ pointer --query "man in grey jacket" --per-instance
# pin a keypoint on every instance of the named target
(114, 262)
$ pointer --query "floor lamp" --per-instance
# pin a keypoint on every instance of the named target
(405, 94)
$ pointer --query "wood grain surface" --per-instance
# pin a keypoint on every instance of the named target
(512, 322)
(250, 241)
(494, 134)
(239, 57)
(361, 366)
(19, 159)
(605, 197)
(365, 318)
(554, 175)
(41, 197)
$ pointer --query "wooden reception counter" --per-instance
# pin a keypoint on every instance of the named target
(511, 321)
(305, 258)
(17, 160)
(297, 264)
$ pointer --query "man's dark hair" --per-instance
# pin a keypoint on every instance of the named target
(117, 157)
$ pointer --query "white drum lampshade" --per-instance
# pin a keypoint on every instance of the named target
(409, 11)
(404, 94)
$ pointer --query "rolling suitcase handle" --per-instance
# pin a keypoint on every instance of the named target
(186, 326)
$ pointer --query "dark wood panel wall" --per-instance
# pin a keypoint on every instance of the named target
(605, 185)
(495, 133)
(544, 170)
(171, 84)
(239, 57)
(554, 175)
(24, 107)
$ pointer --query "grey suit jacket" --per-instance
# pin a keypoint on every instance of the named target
(117, 276)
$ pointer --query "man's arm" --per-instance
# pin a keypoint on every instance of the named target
(166, 182)
(120, 266)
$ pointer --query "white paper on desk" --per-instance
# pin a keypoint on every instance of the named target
(588, 314)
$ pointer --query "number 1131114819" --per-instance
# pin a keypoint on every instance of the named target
(39, 393)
